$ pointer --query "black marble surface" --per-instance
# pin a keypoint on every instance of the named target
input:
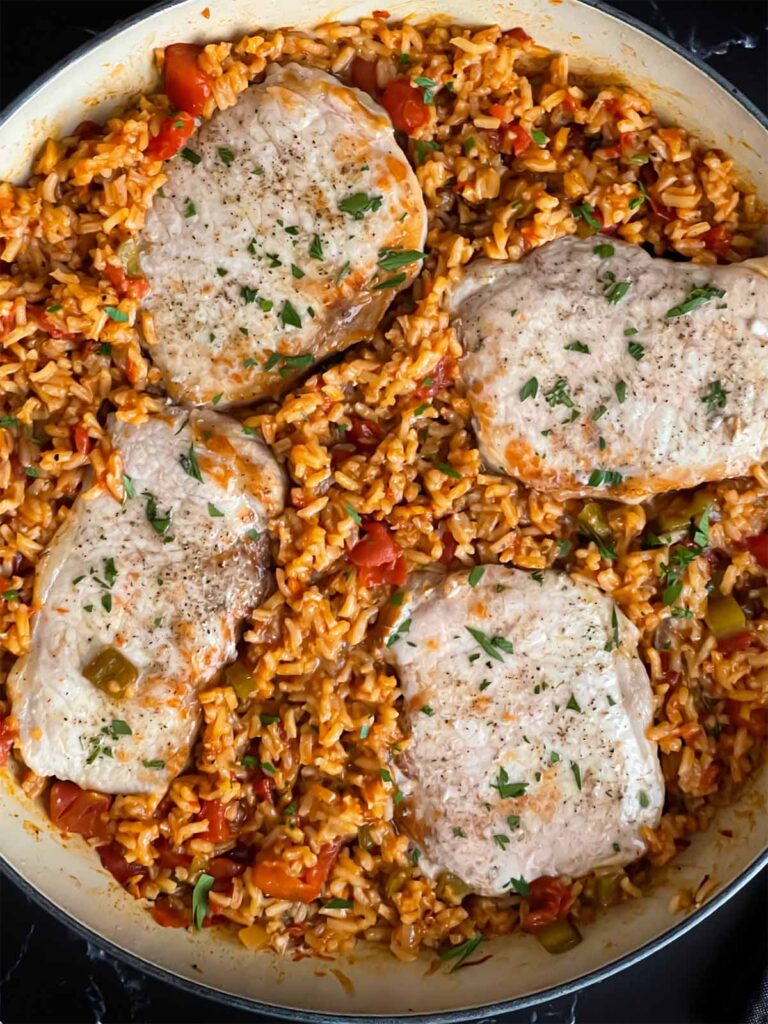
(49, 974)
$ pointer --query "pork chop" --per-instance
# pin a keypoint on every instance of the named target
(286, 227)
(138, 605)
(527, 706)
(596, 369)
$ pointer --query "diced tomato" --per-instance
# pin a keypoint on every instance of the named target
(169, 915)
(81, 440)
(225, 867)
(363, 75)
(186, 84)
(46, 324)
(383, 15)
(521, 140)
(7, 736)
(405, 105)
(608, 152)
(87, 129)
(219, 826)
(378, 557)
(174, 132)
(613, 106)
(719, 239)
(364, 434)
(510, 139)
(497, 110)
(167, 857)
(758, 548)
(449, 545)
(84, 811)
(270, 875)
(518, 33)
(133, 287)
(549, 900)
(112, 857)
(753, 719)
(441, 376)
(627, 141)
(738, 642)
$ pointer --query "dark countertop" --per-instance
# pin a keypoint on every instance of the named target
(47, 973)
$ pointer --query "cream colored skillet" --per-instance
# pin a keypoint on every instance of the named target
(68, 878)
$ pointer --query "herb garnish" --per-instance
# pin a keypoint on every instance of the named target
(696, 298)
(116, 314)
(200, 899)
(461, 952)
(714, 397)
(586, 212)
(519, 885)
(160, 524)
(358, 204)
(225, 155)
(529, 390)
(476, 575)
(577, 346)
(402, 628)
(393, 259)
(604, 478)
(491, 645)
(190, 465)
(508, 790)
(316, 248)
(191, 155)
(558, 394)
(289, 316)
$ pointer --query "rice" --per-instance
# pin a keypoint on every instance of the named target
(324, 712)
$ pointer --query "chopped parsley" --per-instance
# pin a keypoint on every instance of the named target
(491, 645)
(476, 575)
(586, 212)
(200, 892)
(461, 952)
(159, 523)
(191, 155)
(529, 390)
(539, 137)
(576, 773)
(358, 204)
(116, 314)
(695, 298)
(577, 346)
(427, 710)
(573, 704)
(604, 478)
(429, 85)
(519, 885)
(393, 259)
(636, 350)
(604, 250)
(352, 513)
(316, 248)
(621, 390)
(599, 412)
(508, 790)
(714, 397)
(154, 764)
(558, 394)
(190, 465)
(289, 317)
(402, 628)
(190, 210)
(129, 488)
(644, 799)
(391, 282)
(342, 272)
(338, 904)
(513, 822)
(214, 512)
(501, 840)
(225, 155)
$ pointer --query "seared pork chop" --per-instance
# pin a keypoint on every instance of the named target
(527, 705)
(139, 604)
